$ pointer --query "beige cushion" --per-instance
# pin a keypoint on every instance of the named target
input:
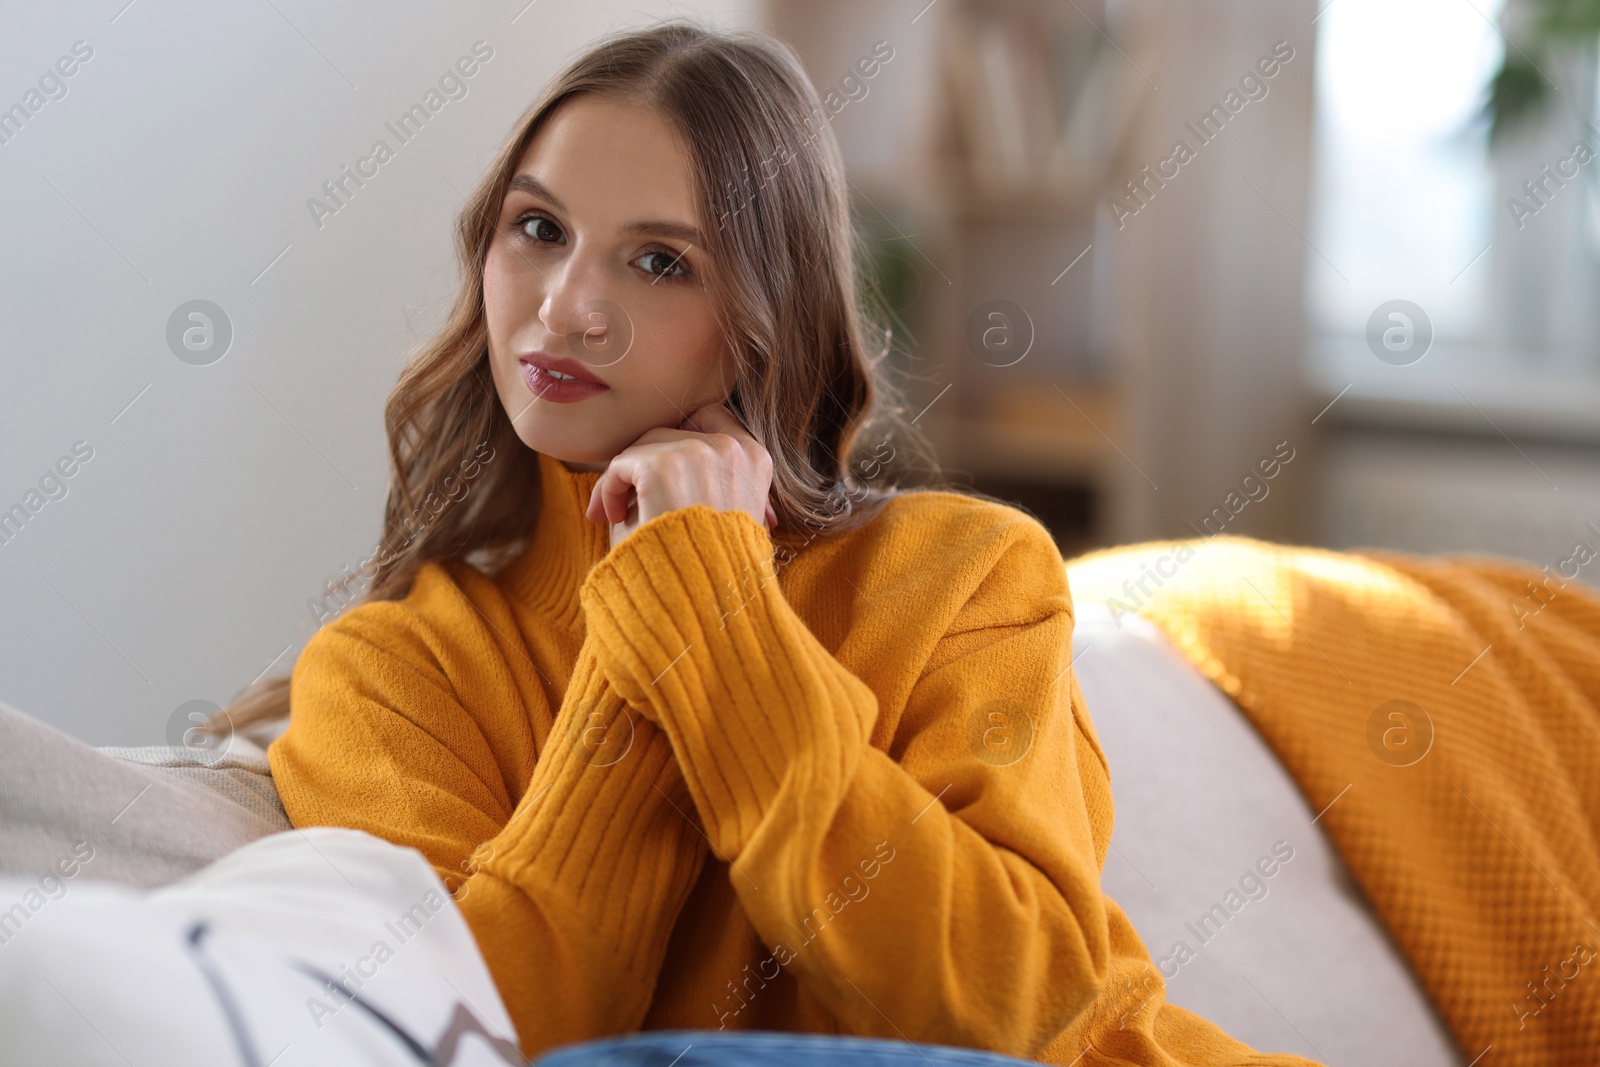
(145, 816)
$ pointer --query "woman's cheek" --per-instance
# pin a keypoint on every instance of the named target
(496, 282)
(499, 282)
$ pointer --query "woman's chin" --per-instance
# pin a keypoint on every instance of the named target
(573, 458)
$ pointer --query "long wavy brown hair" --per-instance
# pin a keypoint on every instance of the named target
(794, 297)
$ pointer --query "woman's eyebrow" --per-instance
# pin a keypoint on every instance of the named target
(662, 228)
(527, 183)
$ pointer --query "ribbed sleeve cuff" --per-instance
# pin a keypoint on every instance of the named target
(604, 835)
(692, 628)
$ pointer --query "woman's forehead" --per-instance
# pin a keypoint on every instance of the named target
(599, 157)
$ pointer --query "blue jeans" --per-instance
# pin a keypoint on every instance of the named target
(724, 1048)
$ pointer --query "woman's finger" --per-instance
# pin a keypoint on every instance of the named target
(716, 418)
(613, 490)
(719, 419)
(657, 435)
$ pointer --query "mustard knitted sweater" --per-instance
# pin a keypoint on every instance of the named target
(671, 785)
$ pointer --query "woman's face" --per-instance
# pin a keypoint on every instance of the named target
(597, 258)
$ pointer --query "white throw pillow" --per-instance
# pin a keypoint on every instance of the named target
(321, 946)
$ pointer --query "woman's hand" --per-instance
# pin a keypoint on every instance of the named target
(710, 458)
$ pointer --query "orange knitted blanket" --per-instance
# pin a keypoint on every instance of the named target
(1446, 713)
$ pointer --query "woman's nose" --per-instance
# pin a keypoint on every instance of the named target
(579, 309)
(568, 286)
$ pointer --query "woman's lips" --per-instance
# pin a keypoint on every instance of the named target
(558, 390)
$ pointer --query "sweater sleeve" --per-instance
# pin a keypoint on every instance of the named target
(571, 888)
(950, 894)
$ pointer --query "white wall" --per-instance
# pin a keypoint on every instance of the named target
(176, 167)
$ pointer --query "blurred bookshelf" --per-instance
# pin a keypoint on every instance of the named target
(977, 157)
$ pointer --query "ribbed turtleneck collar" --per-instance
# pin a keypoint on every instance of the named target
(564, 546)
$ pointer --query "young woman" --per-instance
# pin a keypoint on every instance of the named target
(700, 731)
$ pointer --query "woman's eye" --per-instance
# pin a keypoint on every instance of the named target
(529, 226)
(663, 264)
(658, 263)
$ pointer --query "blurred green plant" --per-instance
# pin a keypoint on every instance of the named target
(888, 264)
(1519, 90)
(886, 274)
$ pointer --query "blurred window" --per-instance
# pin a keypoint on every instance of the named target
(1410, 203)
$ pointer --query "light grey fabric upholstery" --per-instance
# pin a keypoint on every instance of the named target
(1304, 965)
(147, 816)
